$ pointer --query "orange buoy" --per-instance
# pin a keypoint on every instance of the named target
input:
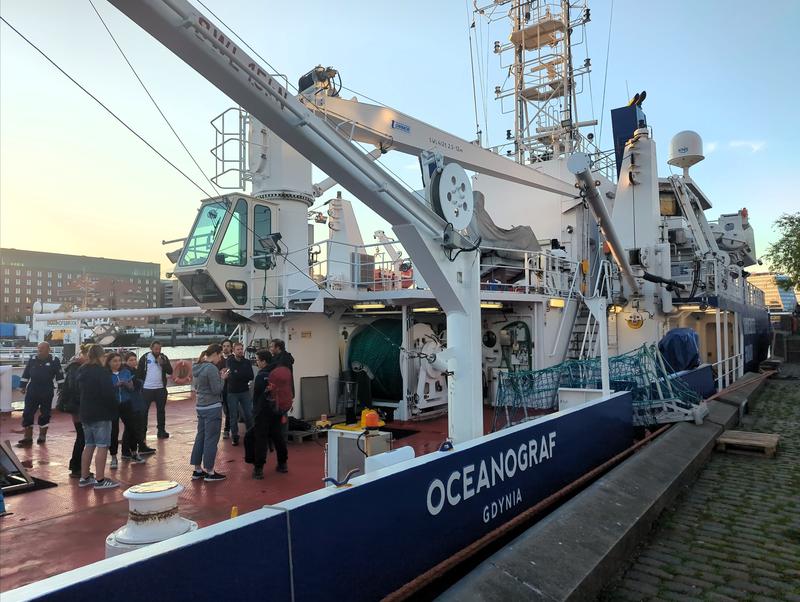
(182, 373)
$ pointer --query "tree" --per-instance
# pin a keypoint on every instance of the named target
(783, 256)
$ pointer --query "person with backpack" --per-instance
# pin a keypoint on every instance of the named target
(69, 401)
(272, 398)
(208, 381)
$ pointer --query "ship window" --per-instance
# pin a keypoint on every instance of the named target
(198, 245)
(262, 224)
(237, 290)
(201, 287)
(233, 248)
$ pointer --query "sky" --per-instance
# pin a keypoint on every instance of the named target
(73, 180)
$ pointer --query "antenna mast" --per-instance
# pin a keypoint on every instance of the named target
(544, 79)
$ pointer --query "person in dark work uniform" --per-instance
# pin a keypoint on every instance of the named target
(37, 385)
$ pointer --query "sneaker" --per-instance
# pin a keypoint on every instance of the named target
(199, 474)
(126, 457)
(114, 464)
(226, 434)
(163, 435)
(258, 473)
(214, 476)
(147, 451)
(282, 468)
(76, 474)
(105, 484)
(137, 459)
(87, 481)
(235, 440)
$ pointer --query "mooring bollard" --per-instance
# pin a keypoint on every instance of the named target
(152, 517)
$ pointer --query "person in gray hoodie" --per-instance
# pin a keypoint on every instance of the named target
(208, 382)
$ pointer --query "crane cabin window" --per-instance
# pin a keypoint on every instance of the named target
(262, 227)
(233, 248)
(262, 224)
(198, 245)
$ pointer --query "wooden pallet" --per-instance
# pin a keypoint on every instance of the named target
(748, 443)
(300, 436)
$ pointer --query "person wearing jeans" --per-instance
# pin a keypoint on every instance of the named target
(153, 369)
(240, 373)
(208, 382)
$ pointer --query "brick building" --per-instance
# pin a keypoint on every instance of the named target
(75, 282)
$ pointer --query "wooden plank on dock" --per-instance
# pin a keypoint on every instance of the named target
(746, 442)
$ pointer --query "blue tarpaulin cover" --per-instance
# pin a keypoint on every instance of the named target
(680, 348)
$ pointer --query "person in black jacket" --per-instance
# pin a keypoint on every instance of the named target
(98, 408)
(238, 385)
(267, 422)
(152, 370)
(69, 401)
(37, 385)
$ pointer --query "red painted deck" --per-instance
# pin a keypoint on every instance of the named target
(65, 527)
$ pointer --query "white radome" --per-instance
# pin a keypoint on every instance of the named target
(685, 149)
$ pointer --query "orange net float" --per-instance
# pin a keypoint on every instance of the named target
(182, 373)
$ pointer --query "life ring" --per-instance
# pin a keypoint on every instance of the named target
(182, 373)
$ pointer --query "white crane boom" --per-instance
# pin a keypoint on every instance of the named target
(391, 130)
(454, 281)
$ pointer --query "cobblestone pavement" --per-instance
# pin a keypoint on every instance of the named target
(735, 533)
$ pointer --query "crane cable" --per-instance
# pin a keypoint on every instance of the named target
(605, 74)
(103, 105)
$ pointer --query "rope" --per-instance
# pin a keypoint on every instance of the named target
(103, 105)
(605, 74)
(153, 100)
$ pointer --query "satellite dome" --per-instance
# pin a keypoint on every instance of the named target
(685, 149)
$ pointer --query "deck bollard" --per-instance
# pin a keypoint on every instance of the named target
(152, 517)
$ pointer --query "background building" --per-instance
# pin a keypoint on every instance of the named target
(171, 293)
(777, 298)
(75, 282)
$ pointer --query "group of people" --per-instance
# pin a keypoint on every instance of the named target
(101, 389)
(221, 379)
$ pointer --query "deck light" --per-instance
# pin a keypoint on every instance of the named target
(426, 310)
(556, 302)
(491, 305)
(369, 306)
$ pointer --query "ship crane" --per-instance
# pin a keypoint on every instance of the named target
(454, 277)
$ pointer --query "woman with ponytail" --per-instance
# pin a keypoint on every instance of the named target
(207, 382)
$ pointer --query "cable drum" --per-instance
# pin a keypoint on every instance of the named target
(451, 196)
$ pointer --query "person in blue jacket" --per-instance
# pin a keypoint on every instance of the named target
(37, 385)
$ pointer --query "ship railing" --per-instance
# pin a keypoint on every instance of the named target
(729, 369)
(529, 272)
(718, 279)
(338, 267)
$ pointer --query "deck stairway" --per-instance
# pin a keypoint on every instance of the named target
(585, 338)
